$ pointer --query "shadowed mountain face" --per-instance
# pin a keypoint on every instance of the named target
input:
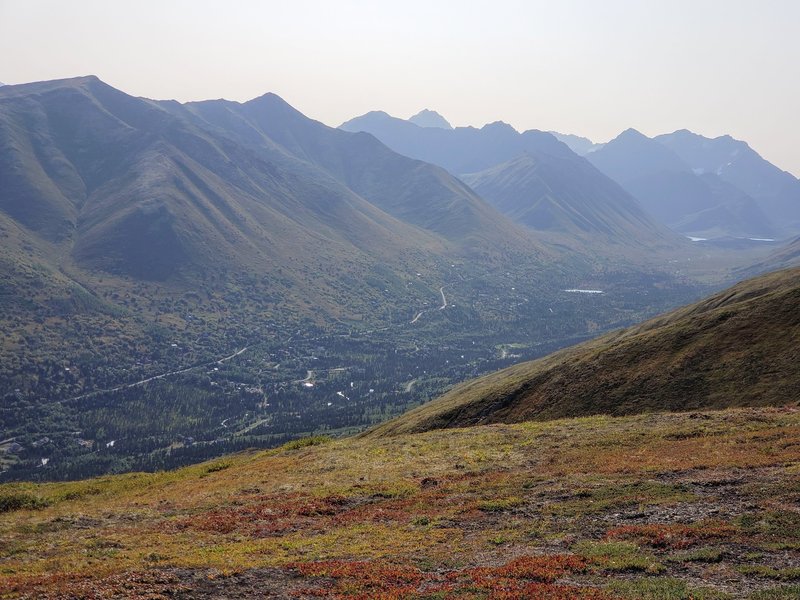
(736, 348)
(158, 190)
(686, 198)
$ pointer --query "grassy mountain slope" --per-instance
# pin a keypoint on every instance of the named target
(116, 187)
(648, 507)
(162, 196)
(410, 190)
(736, 348)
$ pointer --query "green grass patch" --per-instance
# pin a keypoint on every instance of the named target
(791, 574)
(783, 526)
(216, 467)
(305, 442)
(610, 497)
(500, 504)
(618, 556)
(785, 592)
(12, 501)
(663, 588)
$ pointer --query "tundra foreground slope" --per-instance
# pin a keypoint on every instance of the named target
(659, 506)
(736, 348)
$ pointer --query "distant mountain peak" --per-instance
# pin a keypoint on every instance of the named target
(430, 118)
(499, 126)
(373, 117)
(631, 134)
(270, 98)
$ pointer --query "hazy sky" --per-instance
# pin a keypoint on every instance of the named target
(592, 67)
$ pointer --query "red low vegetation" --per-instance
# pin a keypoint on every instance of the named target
(527, 577)
(672, 536)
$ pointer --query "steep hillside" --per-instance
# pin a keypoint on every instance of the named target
(136, 190)
(650, 507)
(412, 191)
(736, 348)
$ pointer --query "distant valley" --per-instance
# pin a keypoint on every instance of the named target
(185, 280)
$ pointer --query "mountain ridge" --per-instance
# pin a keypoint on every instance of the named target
(685, 198)
(553, 190)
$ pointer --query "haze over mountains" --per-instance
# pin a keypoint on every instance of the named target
(530, 177)
(565, 196)
(703, 187)
(694, 185)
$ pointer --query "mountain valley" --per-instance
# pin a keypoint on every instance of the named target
(173, 273)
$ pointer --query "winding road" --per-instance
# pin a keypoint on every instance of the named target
(126, 386)
(442, 307)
